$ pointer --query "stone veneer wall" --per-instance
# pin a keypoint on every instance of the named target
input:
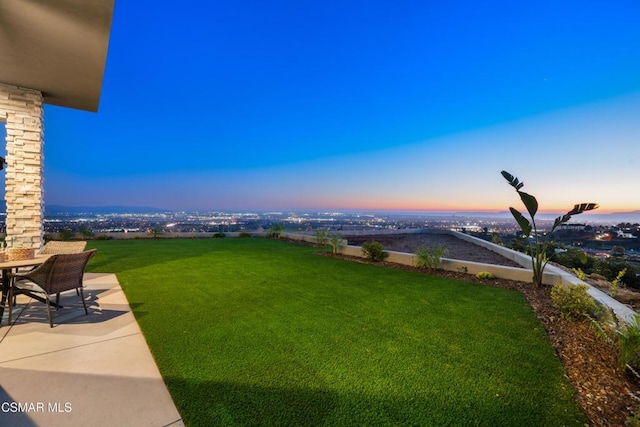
(22, 111)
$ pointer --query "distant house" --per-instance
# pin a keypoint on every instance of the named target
(624, 235)
(572, 227)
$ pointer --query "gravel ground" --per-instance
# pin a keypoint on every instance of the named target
(455, 248)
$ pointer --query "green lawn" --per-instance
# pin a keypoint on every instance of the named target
(264, 332)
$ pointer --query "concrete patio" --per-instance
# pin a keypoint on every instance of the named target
(86, 370)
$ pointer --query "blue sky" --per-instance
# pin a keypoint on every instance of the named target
(243, 105)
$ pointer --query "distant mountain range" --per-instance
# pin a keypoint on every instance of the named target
(59, 209)
(631, 216)
(102, 209)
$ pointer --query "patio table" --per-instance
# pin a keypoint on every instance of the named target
(7, 267)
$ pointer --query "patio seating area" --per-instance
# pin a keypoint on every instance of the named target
(87, 370)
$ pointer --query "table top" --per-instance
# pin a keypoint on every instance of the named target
(37, 260)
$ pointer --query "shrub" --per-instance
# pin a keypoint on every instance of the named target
(429, 258)
(275, 232)
(624, 337)
(219, 235)
(633, 421)
(616, 282)
(628, 343)
(573, 301)
(336, 243)
(610, 268)
(156, 231)
(65, 234)
(617, 251)
(484, 275)
(579, 273)
(374, 251)
(86, 232)
(576, 259)
(244, 234)
(322, 237)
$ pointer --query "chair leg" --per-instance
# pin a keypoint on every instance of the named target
(84, 304)
(9, 303)
(57, 301)
(49, 310)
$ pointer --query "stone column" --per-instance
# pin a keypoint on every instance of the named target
(22, 110)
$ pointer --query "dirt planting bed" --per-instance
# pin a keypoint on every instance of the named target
(455, 248)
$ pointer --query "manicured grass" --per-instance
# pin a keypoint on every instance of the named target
(264, 332)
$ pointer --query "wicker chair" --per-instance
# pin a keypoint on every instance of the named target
(59, 273)
(54, 247)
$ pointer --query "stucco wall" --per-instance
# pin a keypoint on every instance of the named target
(22, 111)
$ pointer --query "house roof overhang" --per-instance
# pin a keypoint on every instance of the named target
(57, 47)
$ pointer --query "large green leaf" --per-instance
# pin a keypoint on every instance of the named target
(582, 207)
(515, 183)
(530, 202)
(523, 222)
(577, 209)
(560, 220)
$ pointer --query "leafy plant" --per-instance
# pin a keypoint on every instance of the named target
(573, 301)
(275, 232)
(336, 243)
(219, 235)
(617, 251)
(65, 234)
(429, 258)
(484, 275)
(628, 340)
(537, 247)
(374, 251)
(244, 234)
(610, 267)
(86, 232)
(576, 259)
(322, 237)
(624, 337)
(616, 282)
(633, 421)
(579, 273)
(156, 231)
